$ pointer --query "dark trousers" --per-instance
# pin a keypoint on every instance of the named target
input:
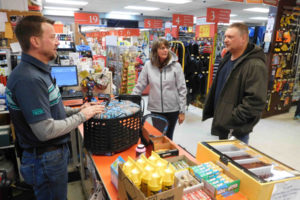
(298, 108)
(172, 119)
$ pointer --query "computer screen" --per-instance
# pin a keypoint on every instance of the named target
(65, 75)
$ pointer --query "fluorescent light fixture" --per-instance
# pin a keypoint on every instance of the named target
(234, 21)
(78, 3)
(233, 15)
(119, 28)
(141, 8)
(259, 18)
(123, 13)
(145, 29)
(60, 8)
(260, 10)
(58, 12)
(172, 1)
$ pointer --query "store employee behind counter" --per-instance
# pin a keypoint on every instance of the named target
(41, 122)
(238, 94)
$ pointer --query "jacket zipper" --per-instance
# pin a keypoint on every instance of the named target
(162, 101)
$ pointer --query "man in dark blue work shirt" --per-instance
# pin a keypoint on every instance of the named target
(41, 122)
(238, 93)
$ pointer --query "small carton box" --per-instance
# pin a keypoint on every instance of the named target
(127, 190)
(224, 190)
(114, 170)
(174, 160)
(163, 147)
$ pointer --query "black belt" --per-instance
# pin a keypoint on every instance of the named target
(41, 150)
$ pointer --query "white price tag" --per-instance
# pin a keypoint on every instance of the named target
(289, 190)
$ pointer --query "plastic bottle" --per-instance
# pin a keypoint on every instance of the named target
(127, 167)
(168, 179)
(155, 184)
(142, 161)
(148, 170)
(140, 149)
(135, 177)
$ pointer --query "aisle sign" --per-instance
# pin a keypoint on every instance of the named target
(183, 20)
(153, 23)
(254, 1)
(86, 18)
(127, 32)
(218, 15)
(289, 190)
(271, 2)
(204, 30)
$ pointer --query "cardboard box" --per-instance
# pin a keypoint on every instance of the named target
(128, 191)
(224, 190)
(181, 157)
(253, 187)
(114, 170)
(163, 147)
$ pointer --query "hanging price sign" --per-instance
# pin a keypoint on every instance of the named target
(86, 18)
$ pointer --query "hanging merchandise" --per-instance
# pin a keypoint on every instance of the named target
(285, 62)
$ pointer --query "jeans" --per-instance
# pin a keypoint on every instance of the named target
(47, 173)
(244, 138)
(172, 119)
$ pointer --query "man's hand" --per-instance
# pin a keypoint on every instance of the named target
(92, 110)
(88, 104)
(181, 118)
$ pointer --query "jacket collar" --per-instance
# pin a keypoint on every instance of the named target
(35, 62)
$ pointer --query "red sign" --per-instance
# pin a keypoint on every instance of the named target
(127, 32)
(254, 1)
(153, 23)
(271, 2)
(86, 18)
(59, 28)
(218, 15)
(97, 34)
(183, 20)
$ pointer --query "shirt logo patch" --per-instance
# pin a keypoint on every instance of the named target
(38, 111)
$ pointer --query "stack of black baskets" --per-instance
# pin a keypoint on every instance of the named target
(109, 136)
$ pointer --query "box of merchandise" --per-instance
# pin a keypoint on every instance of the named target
(221, 189)
(256, 184)
(114, 170)
(163, 147)
(128, 190)
(181, 162)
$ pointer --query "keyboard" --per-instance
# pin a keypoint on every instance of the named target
(71, 95)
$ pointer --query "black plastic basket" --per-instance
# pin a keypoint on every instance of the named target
(109, 136)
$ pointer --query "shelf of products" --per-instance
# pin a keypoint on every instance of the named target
(283, 61)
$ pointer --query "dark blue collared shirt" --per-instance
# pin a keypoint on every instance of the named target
(32, 97)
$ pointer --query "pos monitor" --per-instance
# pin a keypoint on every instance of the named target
(65, 76)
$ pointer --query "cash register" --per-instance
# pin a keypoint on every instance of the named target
(64, 77)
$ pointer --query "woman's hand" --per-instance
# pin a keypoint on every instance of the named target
(181, 118)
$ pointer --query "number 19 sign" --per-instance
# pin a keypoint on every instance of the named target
(86, 18)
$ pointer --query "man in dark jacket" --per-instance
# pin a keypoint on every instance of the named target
(238, 94)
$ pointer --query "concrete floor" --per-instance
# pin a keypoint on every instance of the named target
(276, 136)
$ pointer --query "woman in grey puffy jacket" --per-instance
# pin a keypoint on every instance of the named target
(164, 74)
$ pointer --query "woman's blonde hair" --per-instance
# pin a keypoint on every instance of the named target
(154, 58)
